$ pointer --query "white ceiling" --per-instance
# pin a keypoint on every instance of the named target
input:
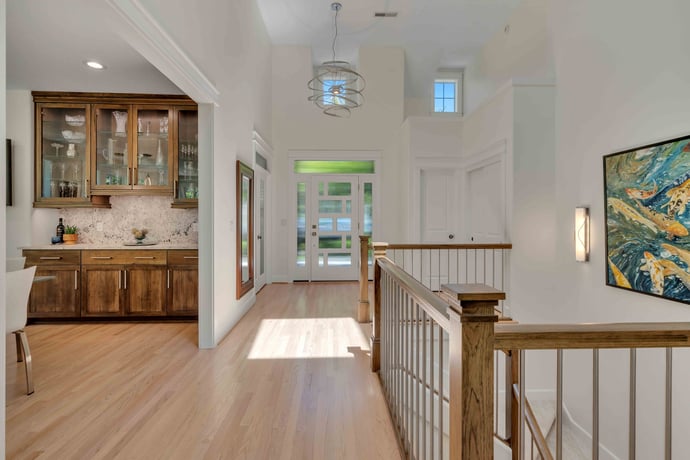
(434, 33)
(48, 40)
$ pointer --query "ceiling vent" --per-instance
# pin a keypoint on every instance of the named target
(387, 14)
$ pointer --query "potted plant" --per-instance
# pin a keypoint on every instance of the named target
(70, 236)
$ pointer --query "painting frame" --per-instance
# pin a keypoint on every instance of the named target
(647, 219)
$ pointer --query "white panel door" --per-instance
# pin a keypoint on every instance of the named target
(438, 201)
(486, 203)
(260, 228)
(333, 228)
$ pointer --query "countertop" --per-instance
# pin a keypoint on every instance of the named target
(113, 246)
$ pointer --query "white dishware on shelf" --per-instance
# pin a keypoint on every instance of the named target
(71, 151)
(75, 120)
(120, 122)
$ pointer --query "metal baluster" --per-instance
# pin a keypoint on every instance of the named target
(559, 404)
(432, 388)
(633, 404)
(595, 404)
(407, 373)
(440, 391)
(508, 395)
(416, 378)
(424, 386)
(669, 403)
(521, 386)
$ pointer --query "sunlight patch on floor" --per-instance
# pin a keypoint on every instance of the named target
(308, 338)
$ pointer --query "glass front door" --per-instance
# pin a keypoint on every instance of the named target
(333, 228)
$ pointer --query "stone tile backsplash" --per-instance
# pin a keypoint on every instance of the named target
(165, 224)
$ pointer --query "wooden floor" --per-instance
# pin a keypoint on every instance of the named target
(291, 381)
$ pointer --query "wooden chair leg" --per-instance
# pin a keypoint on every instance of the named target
(27, 362)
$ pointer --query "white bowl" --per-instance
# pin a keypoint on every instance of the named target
(75, 120)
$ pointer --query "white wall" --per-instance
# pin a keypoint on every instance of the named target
(3, 118)
(298, 125)
(616, 88)
(20, 130)
(227, 41)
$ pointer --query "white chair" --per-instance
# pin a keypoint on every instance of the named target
(13, 264)
(18, 286)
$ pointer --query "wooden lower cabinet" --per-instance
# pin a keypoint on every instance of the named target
(102, 294)
(114, 283)
(146, 290)
(183, 288)
(58, 297)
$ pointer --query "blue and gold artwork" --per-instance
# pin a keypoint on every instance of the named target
(647, 219)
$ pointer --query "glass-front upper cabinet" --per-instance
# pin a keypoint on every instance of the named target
(62, 155)
(112, 160)
(133, 151)
(152, 153)
(187, 158)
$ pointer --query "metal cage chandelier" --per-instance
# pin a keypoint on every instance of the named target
(336, 87)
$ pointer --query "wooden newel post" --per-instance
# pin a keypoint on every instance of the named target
(363, 307)
(379, 251)
(471, 336)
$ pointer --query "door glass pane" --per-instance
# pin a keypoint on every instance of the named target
(112, 159)
(348, 207)
(301, 223)
(369, 214)
(339, 189)
(152, 148)
(344, 224)
(330, 242)
(262, 223)
(325, 224)
(330, 206)
(63, 150)
(348, 242)
(334, 166)
(339, 260)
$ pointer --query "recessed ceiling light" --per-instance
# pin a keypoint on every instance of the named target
(94, 65)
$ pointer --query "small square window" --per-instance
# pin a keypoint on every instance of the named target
(445, 96)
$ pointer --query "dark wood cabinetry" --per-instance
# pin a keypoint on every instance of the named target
(114, 283)
(90, 146)
(183, 286)
(58, 297)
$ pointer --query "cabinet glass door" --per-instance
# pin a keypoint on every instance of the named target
(153, 168)
(112, 147)
(63, 153)
(187, 155)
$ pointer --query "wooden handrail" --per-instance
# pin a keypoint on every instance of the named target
(432, 304)
(515, 336)
(450, 246)
(534, 428)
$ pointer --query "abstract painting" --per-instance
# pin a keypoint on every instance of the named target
(647, 219)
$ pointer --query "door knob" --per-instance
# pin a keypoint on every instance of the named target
(451, 236)
(258, 237)
(313, 233)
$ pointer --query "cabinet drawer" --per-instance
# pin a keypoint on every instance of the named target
(52, 257)
(125, 257)
(183, 257)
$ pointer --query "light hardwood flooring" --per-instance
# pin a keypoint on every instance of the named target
(291, 381)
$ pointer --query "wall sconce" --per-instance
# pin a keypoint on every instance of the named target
(581, 234)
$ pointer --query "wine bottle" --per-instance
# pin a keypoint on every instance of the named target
(60, 230)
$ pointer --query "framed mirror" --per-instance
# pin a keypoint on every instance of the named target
(245, 229)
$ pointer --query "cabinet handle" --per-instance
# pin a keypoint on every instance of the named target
(125, 279)
(168, 278)
(119, 279)
(191, 257)
(50, 258)
(144, 257)
(101, 257)
(75, 280)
